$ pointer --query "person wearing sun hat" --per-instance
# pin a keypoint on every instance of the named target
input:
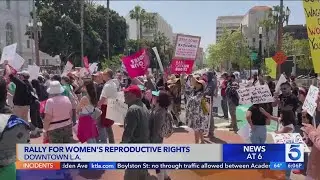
(136, 126)
(197, 110)
(57, 123)
(174, 86)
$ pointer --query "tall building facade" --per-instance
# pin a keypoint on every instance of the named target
(227, 22)
(297, 31)
(15, 15)
(162, 26)
(250, 27)
(199, 62)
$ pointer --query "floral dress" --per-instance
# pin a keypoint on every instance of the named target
(195, 117)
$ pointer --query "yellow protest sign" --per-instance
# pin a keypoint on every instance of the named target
(311, 11)
(271, 65)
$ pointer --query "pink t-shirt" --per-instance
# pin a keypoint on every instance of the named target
(59, 107)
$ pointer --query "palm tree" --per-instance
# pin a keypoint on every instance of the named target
(269, 24)
(138, 14)
(150, 22)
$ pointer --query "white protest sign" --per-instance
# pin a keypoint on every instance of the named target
(158, 58)
(67, 68)
(310, 104)
(93, 67)
(288, 138)
(116, 110)
(120, 96)
(17, 63)
(255, 95)
(281, 80)
(186, 47)
(9, 53)
(34, 71)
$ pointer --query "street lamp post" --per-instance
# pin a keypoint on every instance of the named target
(260, 51)
(35, 26)
(35, 30)
(280, 17)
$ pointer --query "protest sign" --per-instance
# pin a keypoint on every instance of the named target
(17, 63)
(93, 68)
(255, 95)
(67, 68)
(136, 64)
(34, 71)
(158, 58)
(8, 53)
(116, 110)
(312, 19)
(186, 47)
(288, 138)
(271, 65)
(310, 104)
(281, 80)
(181, 66)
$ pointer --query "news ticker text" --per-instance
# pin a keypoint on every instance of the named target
(157, 165)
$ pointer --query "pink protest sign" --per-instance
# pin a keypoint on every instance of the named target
(181, 66)
(136, 64)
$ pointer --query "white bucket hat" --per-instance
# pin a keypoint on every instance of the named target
(55, 88)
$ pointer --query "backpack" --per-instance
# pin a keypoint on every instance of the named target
(167, 128)
(13, 130)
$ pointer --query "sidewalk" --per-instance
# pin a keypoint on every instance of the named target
(183, 136)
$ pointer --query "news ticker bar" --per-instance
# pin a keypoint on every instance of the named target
(156, 165)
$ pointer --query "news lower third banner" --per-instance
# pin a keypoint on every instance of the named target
(164, 156)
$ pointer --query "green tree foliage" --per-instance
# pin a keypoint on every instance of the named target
(299, 48)
(61, 30)
(114, 63)
(165, 49)
(147, 21)
(231, 47)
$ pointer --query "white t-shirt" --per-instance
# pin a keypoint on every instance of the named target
(117, 82)
(109, 91)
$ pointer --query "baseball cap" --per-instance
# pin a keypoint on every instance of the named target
(134, 89)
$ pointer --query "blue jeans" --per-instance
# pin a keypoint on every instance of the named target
(103, 135)
(258, 134)
(91, 141)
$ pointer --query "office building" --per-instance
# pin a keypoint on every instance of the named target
(200, 58)
(297, 31)
(228, 23)
(250, 27)
(15, 15)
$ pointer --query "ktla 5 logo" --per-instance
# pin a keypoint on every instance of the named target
(294, 153)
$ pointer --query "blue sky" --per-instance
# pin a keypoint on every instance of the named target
(199, 17)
